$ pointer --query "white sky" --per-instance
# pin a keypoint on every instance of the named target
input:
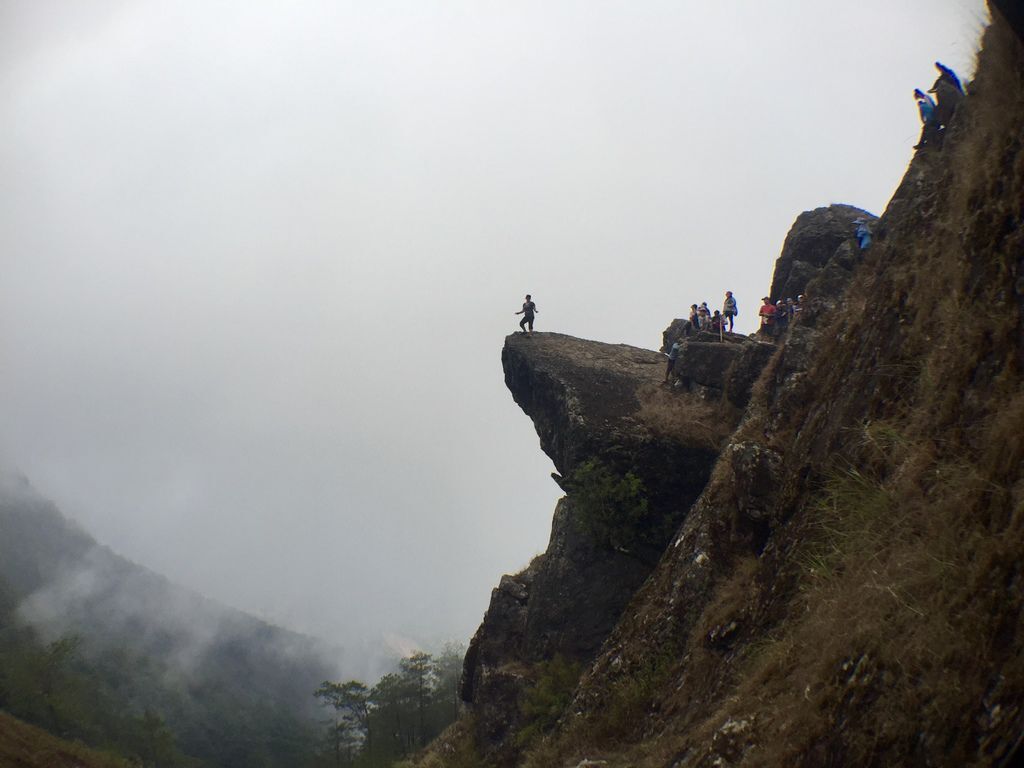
(259, 258)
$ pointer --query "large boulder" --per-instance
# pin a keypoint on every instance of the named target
(820, 242)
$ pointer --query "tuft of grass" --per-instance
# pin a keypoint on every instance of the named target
(686, 418)
(544, 702)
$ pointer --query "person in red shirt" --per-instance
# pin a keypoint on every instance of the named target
(767, 314)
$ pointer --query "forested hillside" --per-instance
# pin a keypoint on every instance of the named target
(26, 746)
(96, 648)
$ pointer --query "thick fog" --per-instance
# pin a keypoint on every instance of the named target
(259, 258)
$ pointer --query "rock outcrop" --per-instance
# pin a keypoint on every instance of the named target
(590, 404)
(721, 370)
(819, 254)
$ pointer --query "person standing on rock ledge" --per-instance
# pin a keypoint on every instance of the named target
(528, 311)
(729, 309)
(767, 314)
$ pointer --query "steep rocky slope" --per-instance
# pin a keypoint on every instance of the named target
(846, 589)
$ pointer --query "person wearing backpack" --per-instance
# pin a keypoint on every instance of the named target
(729, 310)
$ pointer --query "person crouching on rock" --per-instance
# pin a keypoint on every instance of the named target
(528, 311)
(948, 95)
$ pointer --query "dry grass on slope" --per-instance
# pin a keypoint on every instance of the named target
(902, 641)
(685, 417)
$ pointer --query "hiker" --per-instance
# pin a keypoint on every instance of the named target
(798, 305)
(767, 315)
(729, 309)
(948, 95)
(925, 105)
(790, 309)
(929, 126)
(781, 316)
(528, 311)
(704, 315)
(863, 233)
(948, 75)
(673, 355)
(716, 322)
(694, 317)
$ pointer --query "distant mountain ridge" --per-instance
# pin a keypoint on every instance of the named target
(213, 673)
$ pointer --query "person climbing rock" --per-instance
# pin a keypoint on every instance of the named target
(926, 108)
(528, 311)
(948, 95)
(767, 315)
(729, 310)
(862, 232)
(673, 355)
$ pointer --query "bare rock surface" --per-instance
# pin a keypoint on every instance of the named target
(820, 245)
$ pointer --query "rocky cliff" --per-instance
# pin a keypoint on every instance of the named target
(595, 406)
(609, 406)
(846, 587)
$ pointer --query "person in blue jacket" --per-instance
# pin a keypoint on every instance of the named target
(929, 125)
(863, 233)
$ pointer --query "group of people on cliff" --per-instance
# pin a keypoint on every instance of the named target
(703, 319)
(936, 113)
(776, 317)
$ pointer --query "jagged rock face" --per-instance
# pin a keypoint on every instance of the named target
(719, 370)
(581, 395)
(820, 246)
(817, 259)
(585, 400)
